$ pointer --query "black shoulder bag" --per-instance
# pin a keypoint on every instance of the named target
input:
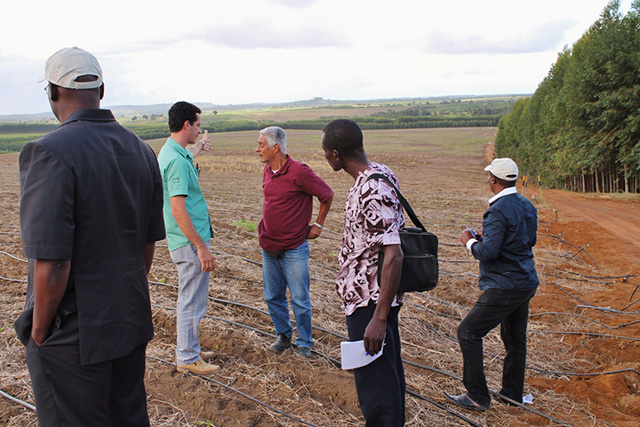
(420, 248)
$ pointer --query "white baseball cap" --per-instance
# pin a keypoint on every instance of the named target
(504, 168)
(66, 65)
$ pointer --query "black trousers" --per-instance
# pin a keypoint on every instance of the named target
(380, 384)
(510, 310)
(68, 394)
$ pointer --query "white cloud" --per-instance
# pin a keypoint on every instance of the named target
(283, 50)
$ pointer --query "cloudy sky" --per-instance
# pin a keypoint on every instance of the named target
(244, 51)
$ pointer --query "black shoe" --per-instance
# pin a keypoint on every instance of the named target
(304, 352)
(281, 344)
(464, 401)
(507, 400)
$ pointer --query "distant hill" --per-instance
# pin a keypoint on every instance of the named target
(159, 109)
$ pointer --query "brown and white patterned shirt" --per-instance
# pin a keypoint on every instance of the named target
(373, 218)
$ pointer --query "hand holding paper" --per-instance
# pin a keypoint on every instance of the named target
(355, 356)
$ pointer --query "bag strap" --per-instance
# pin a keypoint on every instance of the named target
(405, 203)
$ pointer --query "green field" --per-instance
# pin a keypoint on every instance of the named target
(372, 115)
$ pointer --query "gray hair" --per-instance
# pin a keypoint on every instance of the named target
(276, 135)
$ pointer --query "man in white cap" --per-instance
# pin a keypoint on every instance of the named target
(90, 214)
(508, 280)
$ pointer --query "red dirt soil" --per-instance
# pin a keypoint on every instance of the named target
(611, 229)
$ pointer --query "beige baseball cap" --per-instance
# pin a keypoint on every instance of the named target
(66, 65)
(504, 168)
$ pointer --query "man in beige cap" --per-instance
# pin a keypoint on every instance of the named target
(508, 280)
(90, 214)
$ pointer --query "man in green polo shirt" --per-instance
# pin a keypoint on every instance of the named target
(188, 229)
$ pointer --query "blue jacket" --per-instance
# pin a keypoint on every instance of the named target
(505, 252)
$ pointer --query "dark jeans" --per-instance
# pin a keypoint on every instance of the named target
(510, 310)
(380, 384)
(68, 393)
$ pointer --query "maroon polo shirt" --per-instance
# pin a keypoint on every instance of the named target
(288, 204)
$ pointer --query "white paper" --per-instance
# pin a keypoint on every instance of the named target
(527, 399)
(354, 355)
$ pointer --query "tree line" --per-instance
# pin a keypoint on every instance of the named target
(581, 128)
(152, 130)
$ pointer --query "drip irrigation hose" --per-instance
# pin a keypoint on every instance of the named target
(587, 305)
(13, 256)
(250, 261)
(624, 278)
(632, 303)
(561, 240)
(588, 334)
(550, 313)
(575, 279)
(13, 280)
(531, 368)
(335, 362)
(406, 361)
(582, 248)
(607, 309)
(443, 407)
(249, 307)
(522, 406)
(437, 313)
(245, 395)
(16, 400)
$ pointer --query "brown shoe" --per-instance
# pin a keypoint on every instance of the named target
(199, 367)
(206, 355)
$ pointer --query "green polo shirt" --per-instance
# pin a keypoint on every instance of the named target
(180, 178)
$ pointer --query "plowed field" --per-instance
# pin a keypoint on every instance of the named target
(584, 325)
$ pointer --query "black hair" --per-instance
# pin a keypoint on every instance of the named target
(179, 113)
(504, 182)
(344, 136)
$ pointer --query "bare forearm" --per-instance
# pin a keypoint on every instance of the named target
(324, 210)
(195, 149)
(390, 280)
(50, 282)
(203, 145)
(316, 228)
(391, 269)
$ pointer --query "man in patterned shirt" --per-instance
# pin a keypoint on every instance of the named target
(373, 218)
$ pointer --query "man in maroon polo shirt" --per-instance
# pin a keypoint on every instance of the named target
(289, 187)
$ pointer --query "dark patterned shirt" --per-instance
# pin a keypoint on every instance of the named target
(373, 218)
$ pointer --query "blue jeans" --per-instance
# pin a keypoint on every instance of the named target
(510, 310)
(193, 294)
(380, 384)
(292, 271)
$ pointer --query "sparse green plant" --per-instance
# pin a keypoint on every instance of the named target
(247, 225)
